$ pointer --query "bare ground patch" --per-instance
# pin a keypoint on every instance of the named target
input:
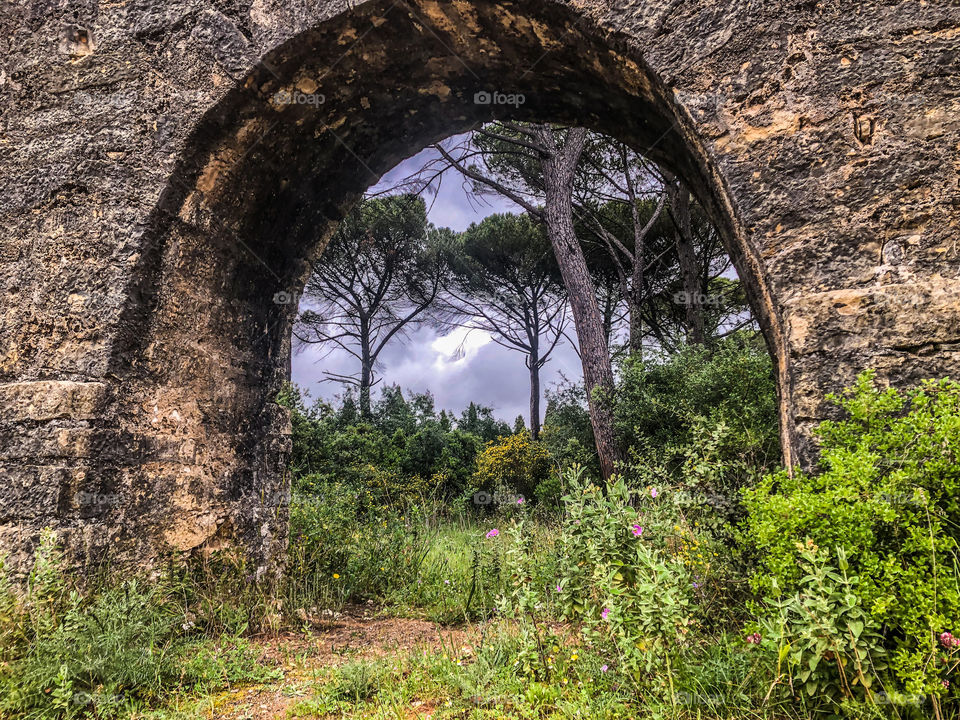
(302, 658)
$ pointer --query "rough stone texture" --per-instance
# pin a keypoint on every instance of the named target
(156, 195)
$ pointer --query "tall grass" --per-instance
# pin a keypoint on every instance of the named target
(422, 558)
(111, 645)
(109, 649)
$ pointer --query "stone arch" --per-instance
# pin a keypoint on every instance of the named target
(176, 425)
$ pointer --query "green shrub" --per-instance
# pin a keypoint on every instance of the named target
(346, 548)
(567, 432)
(403, 451)
(715, 407)
(515, 464)
(623, 590)
(887, 496)
(824, 639)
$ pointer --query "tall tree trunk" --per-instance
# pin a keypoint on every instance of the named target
(687, 256)
(635, 296)
(534, 364)
(366, 375)
(559, 165)
(636, 331)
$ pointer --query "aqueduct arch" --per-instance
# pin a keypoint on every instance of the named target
(160, 199)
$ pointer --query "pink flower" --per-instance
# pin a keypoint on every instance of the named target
(654, 492)
(559, 589)
(519, 501)
(493, 533)
(948, 640)
(637, 530)
(753, 639)
(945, 683)
(603, 668)
(605, 613)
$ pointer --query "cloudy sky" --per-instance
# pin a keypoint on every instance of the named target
(457, 367)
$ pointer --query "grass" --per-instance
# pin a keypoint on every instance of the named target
(115, 648)
(124, 647)
(178, 647)
(485, 682)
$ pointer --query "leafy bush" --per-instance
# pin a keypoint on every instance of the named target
(404, 451)
(567, 432)
(624, 591)
(710, 407)
(514, 464)
(822, 635)
(342, 552)
(887, 497)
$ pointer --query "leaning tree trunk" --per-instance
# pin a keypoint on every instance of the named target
(559, 165)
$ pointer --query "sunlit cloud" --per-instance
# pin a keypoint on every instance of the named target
(459, 347)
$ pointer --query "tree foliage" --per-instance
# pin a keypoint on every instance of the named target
(377, 278)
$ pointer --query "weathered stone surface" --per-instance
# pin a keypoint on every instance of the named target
(160, 199)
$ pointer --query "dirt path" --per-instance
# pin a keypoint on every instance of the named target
(302, 658)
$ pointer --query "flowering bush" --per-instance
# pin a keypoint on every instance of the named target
(627, 594)
(888, 494)
(514, 464)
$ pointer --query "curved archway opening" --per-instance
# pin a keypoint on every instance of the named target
(205, 339)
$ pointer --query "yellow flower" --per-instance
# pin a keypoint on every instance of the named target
(336, 577)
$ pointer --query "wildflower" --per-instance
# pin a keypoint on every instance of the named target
(336, 576)
(574, 656)
(753, 639)
(446, 582)
(559, 589)
(604, 668)
(945, 683)
(520, 501)
(605, 613)
(948, 640)
(637, 530)
(493, 533)
(654, 492)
